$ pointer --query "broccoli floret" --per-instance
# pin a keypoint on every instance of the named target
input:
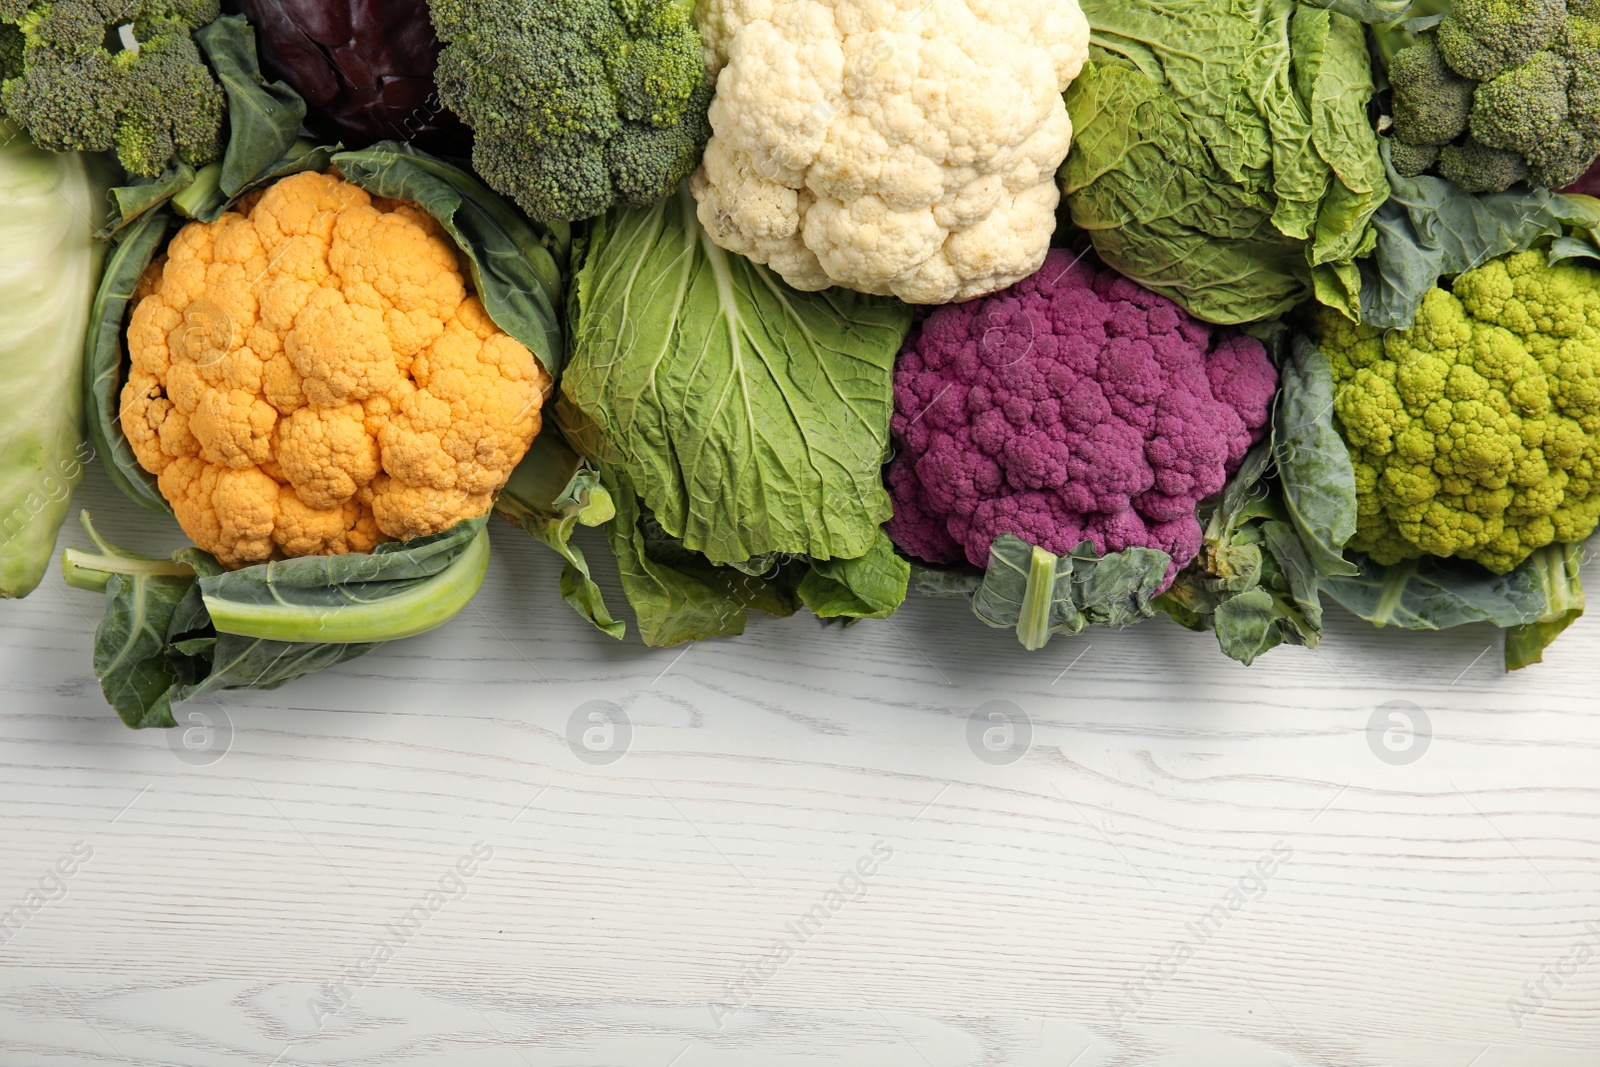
(576, 105)
(1581, 49)
(1431, 101)
(1523, 107)
(1563, 158)
(1481, 38)
(1478, 168)
(150, 104)
(1410, 160)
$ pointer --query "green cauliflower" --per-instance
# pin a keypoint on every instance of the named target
(576, 105)
(71, 83)
(1476, 432)
(1504, 90)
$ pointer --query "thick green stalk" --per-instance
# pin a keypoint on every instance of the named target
(429, 603)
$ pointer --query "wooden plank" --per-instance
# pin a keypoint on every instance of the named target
(802, 858)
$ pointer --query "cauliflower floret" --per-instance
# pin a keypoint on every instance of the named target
(1475, 433)
(310, 375)
(889, 146)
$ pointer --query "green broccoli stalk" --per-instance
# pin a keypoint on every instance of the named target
(1526, 73)
(151, 99)
(576, 105)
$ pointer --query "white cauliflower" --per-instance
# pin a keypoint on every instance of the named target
(890, 146)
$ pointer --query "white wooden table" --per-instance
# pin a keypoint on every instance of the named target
(801, 857)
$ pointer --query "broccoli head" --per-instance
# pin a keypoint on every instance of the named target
(1482, 38)
(1476, 433)
(576, 105)
(1529, 74)
(150, 102)
(1431, 101)
(1523, 107)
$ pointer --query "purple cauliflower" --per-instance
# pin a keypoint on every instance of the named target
(1075, 405)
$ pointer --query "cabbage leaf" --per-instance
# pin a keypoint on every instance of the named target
(1316, 474)
(750, 418)
(1533, 603)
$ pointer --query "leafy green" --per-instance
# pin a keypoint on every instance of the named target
(1039, 594)
(1431, 229)
(549, 495)
(399, 589)
(1556, 571)
(1533, 603)
(263, 119)
(48, 276)
(178, 628)
(677, 594)
(1317, 476)
(1436, 594)
(103, 352)
(1584, 247)
(1371, 11)
(750, 418)
(1237, 179)
(872, 586)
(131, 202)
(946, 582)
(1254, 582)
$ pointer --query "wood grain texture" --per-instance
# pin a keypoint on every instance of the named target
(1113, 897)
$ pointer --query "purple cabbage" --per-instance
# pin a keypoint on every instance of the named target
(365, 68)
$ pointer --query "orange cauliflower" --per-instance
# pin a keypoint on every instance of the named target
(310, 375)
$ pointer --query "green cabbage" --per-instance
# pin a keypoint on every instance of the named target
(48, 271)
(1239, 177)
